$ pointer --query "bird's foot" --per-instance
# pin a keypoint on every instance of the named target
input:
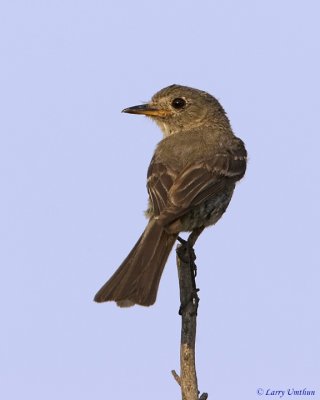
(186, 253)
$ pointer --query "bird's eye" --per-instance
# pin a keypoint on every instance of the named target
(178, 103)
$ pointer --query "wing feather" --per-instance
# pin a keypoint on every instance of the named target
(173, 193)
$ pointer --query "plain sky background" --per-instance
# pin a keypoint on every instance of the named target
(72, 178)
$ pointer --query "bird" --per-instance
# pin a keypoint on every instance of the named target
(190, 182)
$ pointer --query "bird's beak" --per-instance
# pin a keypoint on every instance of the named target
(147, 109)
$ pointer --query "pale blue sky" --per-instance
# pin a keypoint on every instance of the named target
(67, 70)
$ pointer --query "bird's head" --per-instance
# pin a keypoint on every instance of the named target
(180, 108)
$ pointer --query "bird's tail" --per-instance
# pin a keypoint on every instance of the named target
(137, 279)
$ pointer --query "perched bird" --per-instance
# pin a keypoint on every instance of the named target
(191, 179)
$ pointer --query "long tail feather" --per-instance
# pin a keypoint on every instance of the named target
(137, 279)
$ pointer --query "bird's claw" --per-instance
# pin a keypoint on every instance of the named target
(186, 252)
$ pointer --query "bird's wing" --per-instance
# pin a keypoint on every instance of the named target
(173, 193)
(160, 180)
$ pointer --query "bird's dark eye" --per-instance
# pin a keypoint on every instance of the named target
(178, 103)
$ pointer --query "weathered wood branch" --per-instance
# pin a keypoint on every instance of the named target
(188, 310)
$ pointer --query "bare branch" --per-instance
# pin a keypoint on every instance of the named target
(188, 310)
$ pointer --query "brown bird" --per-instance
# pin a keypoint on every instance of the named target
(191, 179)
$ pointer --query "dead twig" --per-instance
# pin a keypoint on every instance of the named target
(188, 310)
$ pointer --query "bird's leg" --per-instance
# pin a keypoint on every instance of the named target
(194, 235)
(187, 256)
(191, 242)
